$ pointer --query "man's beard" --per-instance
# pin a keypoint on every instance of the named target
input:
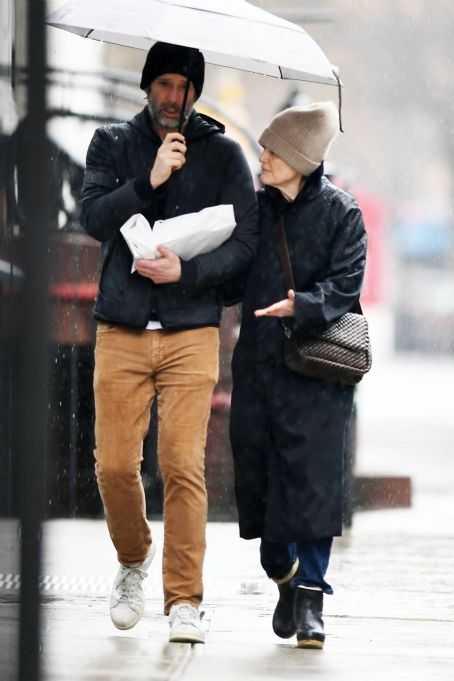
(158, 115)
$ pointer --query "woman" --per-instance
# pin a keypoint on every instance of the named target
(288, 432)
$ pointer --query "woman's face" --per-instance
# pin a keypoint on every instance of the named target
(277, 173)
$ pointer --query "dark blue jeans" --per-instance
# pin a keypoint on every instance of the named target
(277, 560)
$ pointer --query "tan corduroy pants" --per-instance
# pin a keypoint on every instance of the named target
(180, 369)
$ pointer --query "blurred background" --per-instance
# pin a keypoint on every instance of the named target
(396, 157)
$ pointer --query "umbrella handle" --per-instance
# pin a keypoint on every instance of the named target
(186, 90)
(339, 96)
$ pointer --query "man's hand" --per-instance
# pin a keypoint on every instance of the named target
(284, 308)
(163, 270)
(171, 156)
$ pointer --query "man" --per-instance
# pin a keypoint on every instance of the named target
(157, 332)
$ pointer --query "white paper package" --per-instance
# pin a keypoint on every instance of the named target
(187, 235)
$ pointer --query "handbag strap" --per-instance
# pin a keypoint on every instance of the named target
(286, 265)
(284, 257)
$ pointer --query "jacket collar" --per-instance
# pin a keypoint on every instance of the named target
(310, 190)
(198, 125)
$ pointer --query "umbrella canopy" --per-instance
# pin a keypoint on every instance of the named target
(230, 33)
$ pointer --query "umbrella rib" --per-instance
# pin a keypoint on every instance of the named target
(287, 61)
(290, 27)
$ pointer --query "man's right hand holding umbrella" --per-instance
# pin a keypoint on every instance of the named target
(171, 156)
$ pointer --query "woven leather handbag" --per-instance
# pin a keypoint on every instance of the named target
(341, 353)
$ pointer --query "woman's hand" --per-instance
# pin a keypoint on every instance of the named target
(284, 308)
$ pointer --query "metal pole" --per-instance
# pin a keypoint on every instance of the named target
(73, 420)
(33, 378)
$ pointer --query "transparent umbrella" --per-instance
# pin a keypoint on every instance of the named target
(230, 33)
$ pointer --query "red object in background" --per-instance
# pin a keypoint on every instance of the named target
(82, 291)
(375, 218)
(221, 402)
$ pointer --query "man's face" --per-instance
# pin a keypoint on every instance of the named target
(165, 99)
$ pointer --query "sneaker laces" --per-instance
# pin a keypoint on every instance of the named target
(129, 583)
(186, 614)
(189, 614)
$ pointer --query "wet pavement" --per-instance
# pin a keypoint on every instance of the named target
(392, 614)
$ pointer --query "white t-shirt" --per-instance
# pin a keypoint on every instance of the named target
(153, 326)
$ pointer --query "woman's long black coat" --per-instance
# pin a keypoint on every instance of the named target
(288, 432)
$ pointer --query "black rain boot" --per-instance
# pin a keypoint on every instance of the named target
(308, 618)
(283, 622)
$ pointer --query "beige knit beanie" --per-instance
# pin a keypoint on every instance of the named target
(302, 135)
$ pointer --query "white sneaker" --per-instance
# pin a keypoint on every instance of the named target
(185, 625)
(127, 601)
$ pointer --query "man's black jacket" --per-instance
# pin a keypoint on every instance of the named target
(116, 186)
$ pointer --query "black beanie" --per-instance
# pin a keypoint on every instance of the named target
(168, 58)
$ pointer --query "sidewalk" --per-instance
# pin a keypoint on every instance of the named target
(392, 614)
